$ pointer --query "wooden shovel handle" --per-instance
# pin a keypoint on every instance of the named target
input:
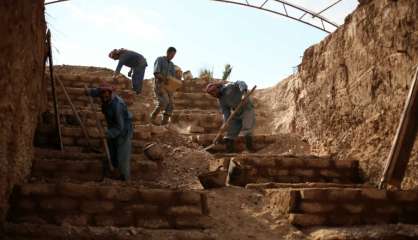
(225, 125)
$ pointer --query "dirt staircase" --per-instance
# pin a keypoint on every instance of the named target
(310, 190)
(66, 199)
(53, 165)
(77, 204)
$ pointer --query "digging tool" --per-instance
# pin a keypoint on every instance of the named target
(225, 125)
(101, 131)
(83, 128)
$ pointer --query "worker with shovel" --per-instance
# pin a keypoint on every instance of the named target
(135, 61)
(119, 129)
(163, 69)
(230, 97)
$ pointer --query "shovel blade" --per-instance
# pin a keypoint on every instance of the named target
(209, 147)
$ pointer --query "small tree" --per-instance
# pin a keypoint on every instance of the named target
(206, 73)
(227, 72)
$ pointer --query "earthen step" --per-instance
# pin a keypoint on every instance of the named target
(197, 116)
(74, 136)
(27, 231)
(79, 91)
(80, 144)
(208, 122)
(195, 111)
(369, 232)
(195, 101)
(88, 170)
(43, 153)
(79, 98)
(275, 185)
(89, 119)
(78, 80)
(97, 205)
(256, 168)
(194, 85)
(308, 207)
(259, 141)
(205, 120)
(195, 96)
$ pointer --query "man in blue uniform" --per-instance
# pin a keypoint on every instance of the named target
(135, 61)
(119, 128)
(229, 97)
(163, 68)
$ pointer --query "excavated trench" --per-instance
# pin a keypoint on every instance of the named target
(322, 137)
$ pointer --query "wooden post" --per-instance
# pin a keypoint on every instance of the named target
(404, 140)
(54, 92)
(83, 128)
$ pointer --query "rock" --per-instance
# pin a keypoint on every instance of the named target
(154, 151)
(187, 75)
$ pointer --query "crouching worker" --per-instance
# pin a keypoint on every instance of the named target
(119, 129)
(135, 61)
(229, 97)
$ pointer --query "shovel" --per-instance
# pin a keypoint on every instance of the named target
(225, 125)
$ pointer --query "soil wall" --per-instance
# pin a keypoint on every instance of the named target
(22, 27)
(351, 87)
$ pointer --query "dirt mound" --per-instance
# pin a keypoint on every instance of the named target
(275, 107)
(182, 162)
(241, 214)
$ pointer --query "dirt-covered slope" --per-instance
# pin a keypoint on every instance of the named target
(351, 87)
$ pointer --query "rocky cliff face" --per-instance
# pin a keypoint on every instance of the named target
(350, 90)
(22, 25)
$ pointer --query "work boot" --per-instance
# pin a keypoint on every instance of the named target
(230, 145)
(137, 91)
(122, 178)
(249, 143)
(165, 119)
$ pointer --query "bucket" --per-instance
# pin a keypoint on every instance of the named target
(214, 179)
(154, 152)
(173, 84)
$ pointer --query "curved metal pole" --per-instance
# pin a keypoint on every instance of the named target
(330, 6)
(314, 14)
(57, 1)
(285, 3)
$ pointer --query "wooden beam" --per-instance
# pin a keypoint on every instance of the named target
(403, 142)
(54, 92)
(83, 128)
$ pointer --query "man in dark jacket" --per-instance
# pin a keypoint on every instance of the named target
(119, 128)
(229, 96)
(135, 61)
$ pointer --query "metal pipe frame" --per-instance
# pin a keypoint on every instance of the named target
(305, 11)
(57, 1)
